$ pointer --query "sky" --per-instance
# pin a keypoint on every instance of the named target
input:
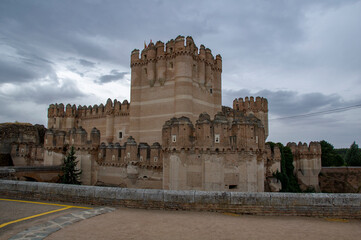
(303, 56)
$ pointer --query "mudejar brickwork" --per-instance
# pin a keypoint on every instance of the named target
(174, 133)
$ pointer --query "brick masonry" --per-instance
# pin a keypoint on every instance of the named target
(275, 204)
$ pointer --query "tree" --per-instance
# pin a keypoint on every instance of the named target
(329, 156)
(286, 176)
(353, 155)
(71, 174)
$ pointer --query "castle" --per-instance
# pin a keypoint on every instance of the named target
(174, 133)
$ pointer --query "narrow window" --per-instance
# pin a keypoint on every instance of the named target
(141, 158)
(232, 187)
(211, 90)
(120, 135)
(155, 159)
(174, 138)
(216, 138)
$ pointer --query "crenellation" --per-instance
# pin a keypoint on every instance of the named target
(307, 163)
(257, 107)
(176, 104)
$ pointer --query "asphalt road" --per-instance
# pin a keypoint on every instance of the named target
(17, 215)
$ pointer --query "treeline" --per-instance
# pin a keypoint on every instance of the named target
(332, 157)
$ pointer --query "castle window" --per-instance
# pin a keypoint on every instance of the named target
(155, 159)
(232, 187)
(171, 50)
(141, 158)
(174, 138)
(216, 138)
(120, 135)
(256, 139)
(211, 90)
(113, 157)
(145, 56)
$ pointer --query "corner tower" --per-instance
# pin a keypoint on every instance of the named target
(172, 80)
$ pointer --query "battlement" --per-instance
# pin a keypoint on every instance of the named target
(71, 111)
(249, 104)
(242, 133)
(258, 107)
(77, 137)
(314, 148)
(27, 154)
(131, 153)
(173, 48)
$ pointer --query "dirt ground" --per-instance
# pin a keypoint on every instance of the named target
(157, 224)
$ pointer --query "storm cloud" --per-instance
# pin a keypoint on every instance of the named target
(303, 56)
(113, 76)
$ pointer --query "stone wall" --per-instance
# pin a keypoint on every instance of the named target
(340, 179)
(274, 204)
(20, 143)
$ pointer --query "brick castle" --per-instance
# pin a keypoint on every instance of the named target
(174, 133)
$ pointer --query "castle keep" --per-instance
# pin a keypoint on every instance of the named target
(174, 133)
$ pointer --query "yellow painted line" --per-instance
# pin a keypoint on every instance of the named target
(231, 214)
(337, 220)
(52, 204)
(34, 216)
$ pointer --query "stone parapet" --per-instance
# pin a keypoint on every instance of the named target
(272, 204)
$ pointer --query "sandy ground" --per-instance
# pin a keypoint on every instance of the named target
(157, 224)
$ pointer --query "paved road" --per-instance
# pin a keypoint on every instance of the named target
(156, 224)
(17, 215)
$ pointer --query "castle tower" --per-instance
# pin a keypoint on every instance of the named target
(258, 108)
(172, 82)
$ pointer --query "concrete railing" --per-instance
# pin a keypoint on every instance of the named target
(290, 204)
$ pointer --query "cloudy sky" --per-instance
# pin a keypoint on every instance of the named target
(303, 56)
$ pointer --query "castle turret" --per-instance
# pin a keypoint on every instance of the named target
(307, 163)
(258, 108)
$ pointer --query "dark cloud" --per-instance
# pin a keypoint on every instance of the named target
(301, 47)
(114, 75)
(284, 103)
(86, 63)
(340, 128)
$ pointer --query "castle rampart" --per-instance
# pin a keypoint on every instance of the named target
(112, 120)
(258, 108)
(307, 163)
(213, 155)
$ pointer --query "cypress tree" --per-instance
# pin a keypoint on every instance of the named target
(71, 175)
